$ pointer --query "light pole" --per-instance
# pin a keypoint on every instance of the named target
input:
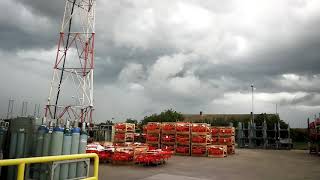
(252, 88)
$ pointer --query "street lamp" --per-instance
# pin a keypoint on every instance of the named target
(252, 88)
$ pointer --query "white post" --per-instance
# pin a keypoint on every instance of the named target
(252, 88)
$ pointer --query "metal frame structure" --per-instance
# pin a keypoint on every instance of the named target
(103, 132)
(57, 163)
(71, 89)
(261, 137)
(10, 109)
(22, 162)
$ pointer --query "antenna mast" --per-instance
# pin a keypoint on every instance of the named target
(71, 89)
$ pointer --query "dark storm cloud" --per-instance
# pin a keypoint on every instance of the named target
(51, 8)
(113, 59)
(187, 53)
(303, 99)
(14, 38)
(301, 58)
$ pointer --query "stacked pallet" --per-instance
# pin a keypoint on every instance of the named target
(200, 138)
(168, 136)
(153, 135)
(183, 136)
(217, 151)
(223, 140)
(124, 132)
(226, 137)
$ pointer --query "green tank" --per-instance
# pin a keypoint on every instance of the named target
(81, 167)
(74, 150)
(56, 148)
(45, 152)
(66, 150)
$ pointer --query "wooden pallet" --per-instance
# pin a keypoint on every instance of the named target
(195, 148)
(180, 137)
(168, 138)
(168, 147)
(127, 137)
(200, 129)
(182, 154)
(168, 128)
(226, 140)
(226, 131)
(168, 143)
(124, 127)
(186, 153)
(183, 132)
(153, 127)
(168, 132)
(217, 151)
(185, 126)
(153, 142)
(199, 139)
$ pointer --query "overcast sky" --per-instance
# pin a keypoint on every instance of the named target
(189, 55)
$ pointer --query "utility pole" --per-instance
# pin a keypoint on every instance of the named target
(252, 88)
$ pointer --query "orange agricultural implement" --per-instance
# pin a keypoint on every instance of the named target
(183, 149)
(217, 151)
(214, 131)
(183, 127)
(167, 148)
(200, 128)
(198, 150)
(153, 126)
(183, 138)
(199, 139)
(168, 138)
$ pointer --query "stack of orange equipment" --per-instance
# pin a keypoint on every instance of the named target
(168, 136)
(226, 137)
(124, 132)
(200, 139)
(154, 157)
(122, 154)
(183, 138)
(153, 135)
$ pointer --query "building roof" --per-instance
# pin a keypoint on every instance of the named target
(211, 117)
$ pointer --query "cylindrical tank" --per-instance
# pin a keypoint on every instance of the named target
(45, 152)
(66, 149)
(20, 143)
(3, 132)
(81, 168)
(56, 148)
(12, 154)
(74, 150)
(38, 151)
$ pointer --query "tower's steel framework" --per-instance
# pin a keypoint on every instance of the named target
(71, 89)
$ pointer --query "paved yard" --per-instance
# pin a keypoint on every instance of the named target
(244, 165)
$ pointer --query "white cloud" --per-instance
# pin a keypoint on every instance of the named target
(168, 66)
(291, 77)
(131, 73)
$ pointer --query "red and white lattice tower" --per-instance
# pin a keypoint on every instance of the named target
(71, 89)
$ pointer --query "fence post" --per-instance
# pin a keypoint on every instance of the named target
(21, 167)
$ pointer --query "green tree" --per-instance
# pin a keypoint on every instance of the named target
(166, 116)
(133, 121)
